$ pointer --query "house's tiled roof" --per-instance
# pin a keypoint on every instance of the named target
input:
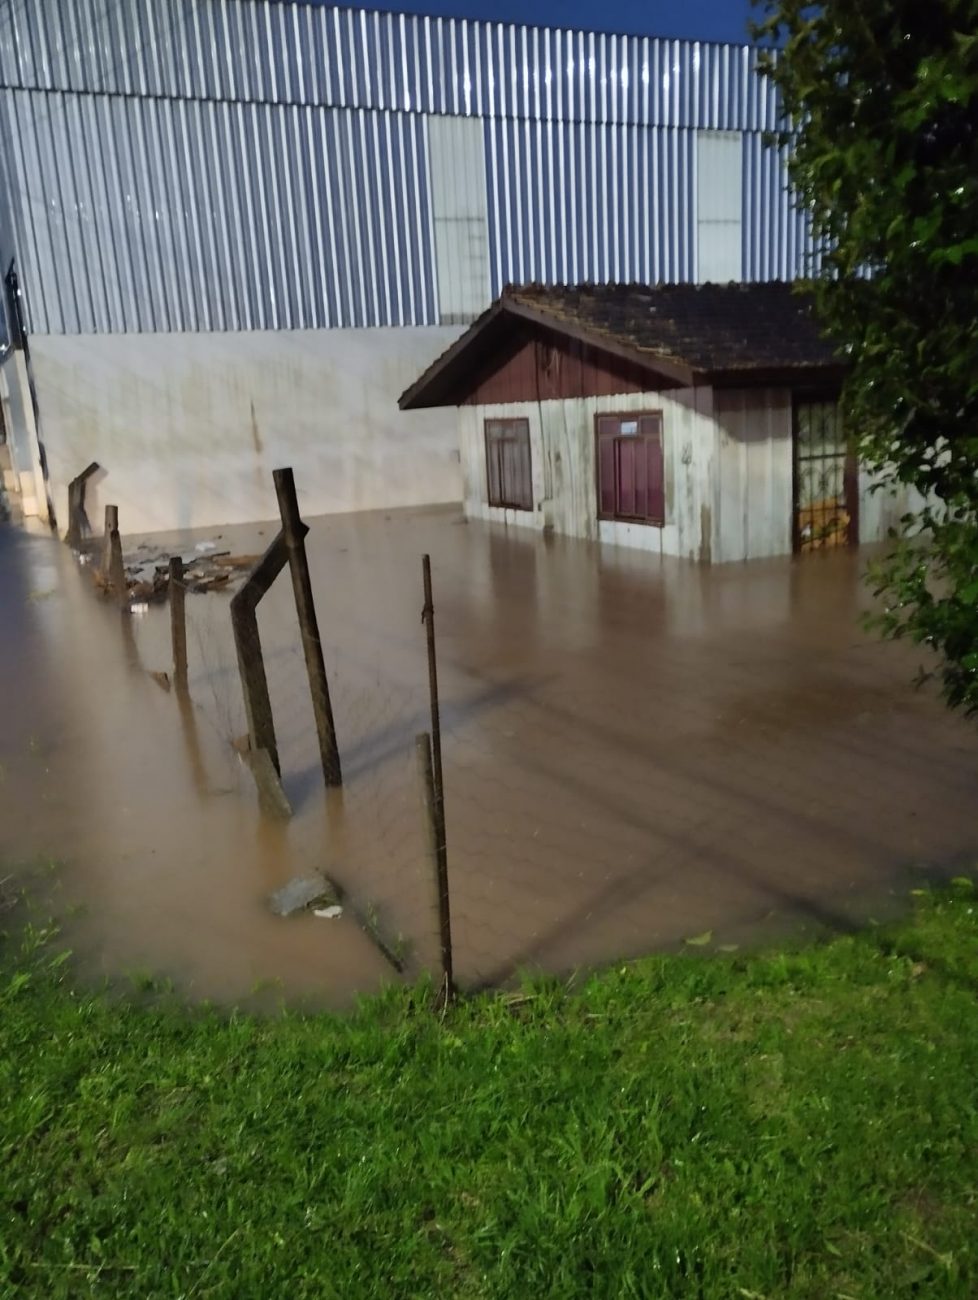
(680, 334)
(709, 328)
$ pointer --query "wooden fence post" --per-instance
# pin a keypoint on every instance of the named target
(293, 530)
(114, 568)
(178, 622)
(436, 856)
(111, 526)
(78, 525)
(254, 684)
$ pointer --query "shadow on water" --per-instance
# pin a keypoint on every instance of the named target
(636, 750)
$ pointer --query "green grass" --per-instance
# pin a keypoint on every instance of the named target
(793, 1124)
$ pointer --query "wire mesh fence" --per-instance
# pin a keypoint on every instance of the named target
(635, 752)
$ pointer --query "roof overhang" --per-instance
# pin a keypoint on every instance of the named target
(449, 377)
(457, 372)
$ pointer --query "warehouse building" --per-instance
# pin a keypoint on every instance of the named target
(237, 230)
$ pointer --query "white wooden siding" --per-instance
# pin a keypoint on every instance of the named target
(564, 485)
(754, 474)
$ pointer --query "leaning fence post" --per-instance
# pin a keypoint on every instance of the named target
(178, 622)
(437, 861)
(254, 684)
(294, 531)
(78, 525)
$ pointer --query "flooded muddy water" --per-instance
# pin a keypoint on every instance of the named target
(636, 751)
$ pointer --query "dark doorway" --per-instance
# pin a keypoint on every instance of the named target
(825, 512)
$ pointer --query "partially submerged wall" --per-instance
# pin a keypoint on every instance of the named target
(22, 439)
(189, 427)
(562, 449)
(752, 511)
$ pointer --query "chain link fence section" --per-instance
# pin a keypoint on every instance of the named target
(636, 752)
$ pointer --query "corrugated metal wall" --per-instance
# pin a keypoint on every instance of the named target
(458, 204)
(256, 164)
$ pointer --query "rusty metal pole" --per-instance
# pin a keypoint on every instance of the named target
(435, 842)
(178, 622)
(428, 618)
(294, 532)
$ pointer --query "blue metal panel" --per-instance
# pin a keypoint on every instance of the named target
(283, 52)
(777, 236)
(566, 202)
(143, 214)
(262, 164)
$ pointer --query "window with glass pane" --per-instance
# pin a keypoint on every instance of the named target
(630, 469)
(508, 469)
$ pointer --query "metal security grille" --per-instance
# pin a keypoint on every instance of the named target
(826, 482)
(630, 469)
(508, 468)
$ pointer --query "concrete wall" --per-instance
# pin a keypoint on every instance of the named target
(189, 427)
(563, 467)
(22, 438)
(752, 510)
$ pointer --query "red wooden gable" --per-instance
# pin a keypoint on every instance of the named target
(538, 366)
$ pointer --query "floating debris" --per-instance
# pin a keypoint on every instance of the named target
(148, 573)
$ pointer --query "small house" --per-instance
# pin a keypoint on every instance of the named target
(690, 420)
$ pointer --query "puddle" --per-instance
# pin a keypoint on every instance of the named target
(635, 751)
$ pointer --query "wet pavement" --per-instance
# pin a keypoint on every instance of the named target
(636, 751)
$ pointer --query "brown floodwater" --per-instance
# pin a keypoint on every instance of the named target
(636, 751)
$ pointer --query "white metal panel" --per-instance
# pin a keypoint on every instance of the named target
(719, 205)
(459, 209)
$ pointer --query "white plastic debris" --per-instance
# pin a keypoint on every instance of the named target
(204, 547)
(328, 913)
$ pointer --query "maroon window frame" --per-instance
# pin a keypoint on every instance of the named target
(630, 471)
(509, 477)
